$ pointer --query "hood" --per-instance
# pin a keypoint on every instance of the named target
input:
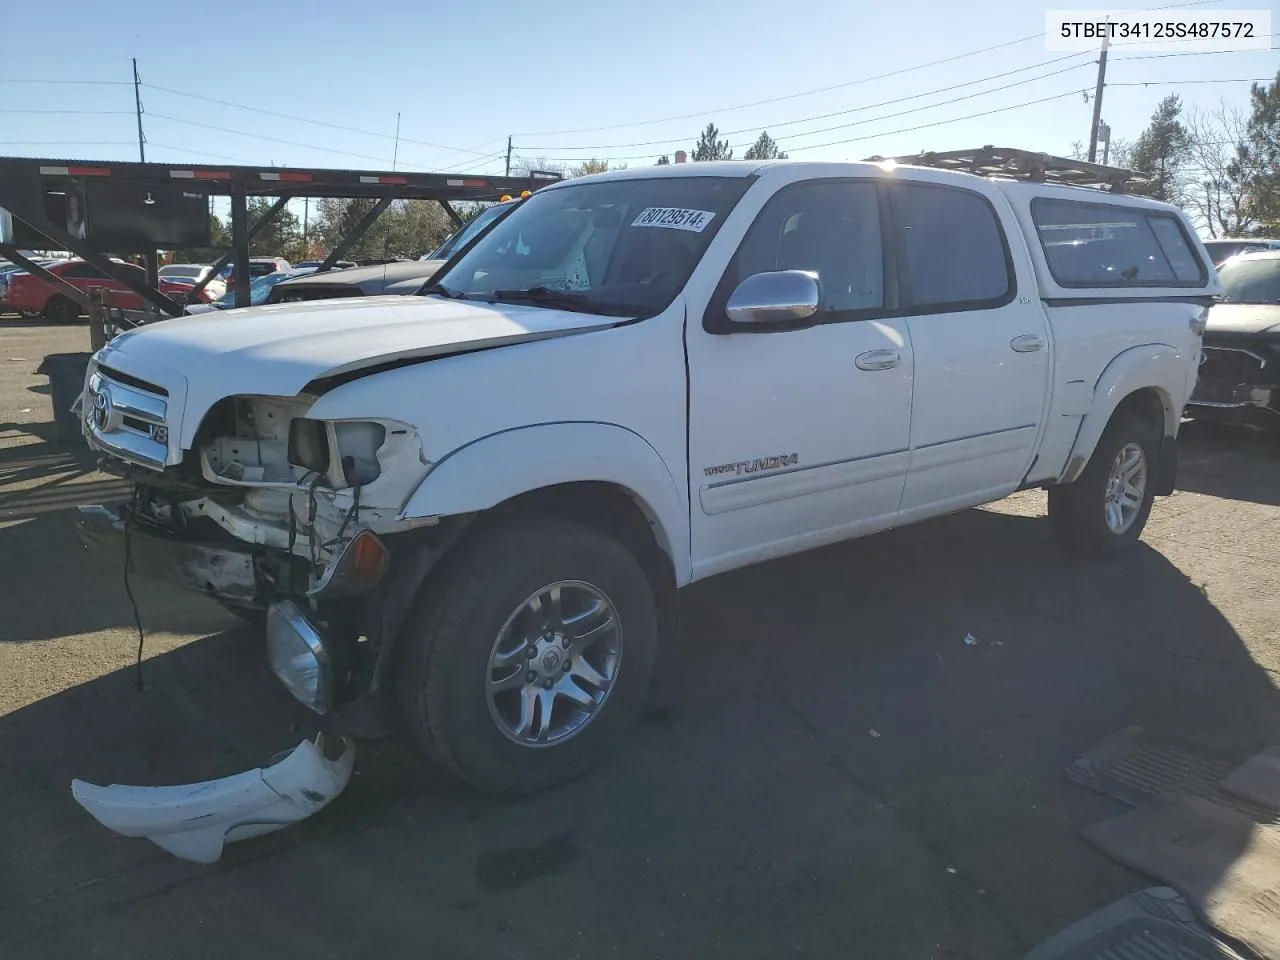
(1246, 318)
(369, 279)
(279, 348)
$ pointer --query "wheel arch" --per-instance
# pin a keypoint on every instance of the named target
(595, 473)
(1136, 382)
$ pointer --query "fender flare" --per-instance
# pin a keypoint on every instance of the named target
(493, 469)
(1154, 366)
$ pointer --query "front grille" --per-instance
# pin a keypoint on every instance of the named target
(127, 419)
(1237, 366)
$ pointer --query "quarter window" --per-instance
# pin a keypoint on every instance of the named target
(831, 228)
(953, 252)
(1097, 245)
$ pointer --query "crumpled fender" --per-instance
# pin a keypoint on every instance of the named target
(1157, 366)
(195, 820)
(488, 471)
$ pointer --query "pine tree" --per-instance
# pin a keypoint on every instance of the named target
(764, 149)
(1163, 151)
(709, 148)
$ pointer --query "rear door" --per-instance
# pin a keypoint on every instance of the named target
(981, 344)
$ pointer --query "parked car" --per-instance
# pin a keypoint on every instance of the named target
(1222, 250)
(259, 290)
(29, 294)
(315, 264)
(258, 267)
(195, 272)
(1240, 373)
(480, 502)
(395, 278)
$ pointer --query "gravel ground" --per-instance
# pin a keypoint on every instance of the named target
(825, 767)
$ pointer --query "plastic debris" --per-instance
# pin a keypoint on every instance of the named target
(951, 870)
(970, 640)
(874, 733)
(195, 820)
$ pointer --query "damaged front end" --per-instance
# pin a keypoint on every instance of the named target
(1239, 379)
(286, 519)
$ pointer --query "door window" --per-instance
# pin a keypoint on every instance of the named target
(954, 255)
(831, 228)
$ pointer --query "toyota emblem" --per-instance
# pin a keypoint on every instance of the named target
(102, 409)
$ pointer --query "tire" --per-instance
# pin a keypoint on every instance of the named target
(61, 309)
(452, 646)
(1083, 517)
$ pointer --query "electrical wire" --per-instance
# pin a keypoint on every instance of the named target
(87, 83)
(138, 685)
(68, 143)
(93, 113)
(1158, 83)
(318, 123)
(930, 106)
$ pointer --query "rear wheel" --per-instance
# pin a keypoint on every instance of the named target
(527, 654)
(1106, 508)
(61, 309)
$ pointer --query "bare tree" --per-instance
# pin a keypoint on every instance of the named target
(588, 167)
(1221, 204)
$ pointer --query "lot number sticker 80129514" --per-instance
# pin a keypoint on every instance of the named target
(674, 218)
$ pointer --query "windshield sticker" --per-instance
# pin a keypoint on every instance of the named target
(674, 218)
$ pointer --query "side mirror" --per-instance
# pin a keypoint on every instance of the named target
(778, 297)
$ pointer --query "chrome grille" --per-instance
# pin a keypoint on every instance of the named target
(126, 420)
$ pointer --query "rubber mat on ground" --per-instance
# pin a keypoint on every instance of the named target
(1138, 764)
(1153, 924)
(1225, 864)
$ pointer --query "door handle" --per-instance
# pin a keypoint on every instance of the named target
(1027, 343)
(877, 360)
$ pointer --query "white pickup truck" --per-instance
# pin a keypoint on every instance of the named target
(477, 504)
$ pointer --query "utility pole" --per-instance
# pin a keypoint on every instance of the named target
(137, 105)
(1104, 132)
(1097, 101)
(508, 156)
(306, 216)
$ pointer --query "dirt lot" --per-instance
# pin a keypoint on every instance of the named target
(825, 769)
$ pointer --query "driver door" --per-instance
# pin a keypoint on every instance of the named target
(799, 436)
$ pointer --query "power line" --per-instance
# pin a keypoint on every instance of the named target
(789, 96)
(1158, 83)
(97, 113)
(837, 86)
(86, 83)
(872, 136)
(319, 123)
(66, 143)
(200, 153)
(871, 106)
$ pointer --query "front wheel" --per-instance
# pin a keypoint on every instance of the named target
(1106, 508)
(528, 654)
(61, 309)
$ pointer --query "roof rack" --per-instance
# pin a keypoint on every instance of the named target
(1007, 162)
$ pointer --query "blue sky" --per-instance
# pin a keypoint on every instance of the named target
(465, 76)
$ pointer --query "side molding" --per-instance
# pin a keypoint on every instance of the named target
(493, 469)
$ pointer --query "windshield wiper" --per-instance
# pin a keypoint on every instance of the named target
(432, 289)
(546, 297)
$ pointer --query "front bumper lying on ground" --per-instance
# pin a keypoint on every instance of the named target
(195, 820)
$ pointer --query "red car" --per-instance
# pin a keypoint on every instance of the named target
(21, 292)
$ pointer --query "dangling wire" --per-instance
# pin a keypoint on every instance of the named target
(138, 685)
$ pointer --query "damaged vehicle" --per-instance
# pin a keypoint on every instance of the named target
(1239, 380)
(473, 507)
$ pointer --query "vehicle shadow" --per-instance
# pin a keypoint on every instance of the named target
(1233, 462)
(826, 768)
(38, 478)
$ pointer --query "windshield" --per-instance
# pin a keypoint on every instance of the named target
(616, 247)
(1251, 280)
(258, 290)
(468, 230)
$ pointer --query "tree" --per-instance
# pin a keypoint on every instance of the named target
(280, 237)
(1220, 202)
(764, 149)
(1163, 153)
(663, 161)
(1258, 157)
(588, 167)
(709, 148)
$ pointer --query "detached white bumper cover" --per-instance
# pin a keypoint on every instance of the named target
(193, 821)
